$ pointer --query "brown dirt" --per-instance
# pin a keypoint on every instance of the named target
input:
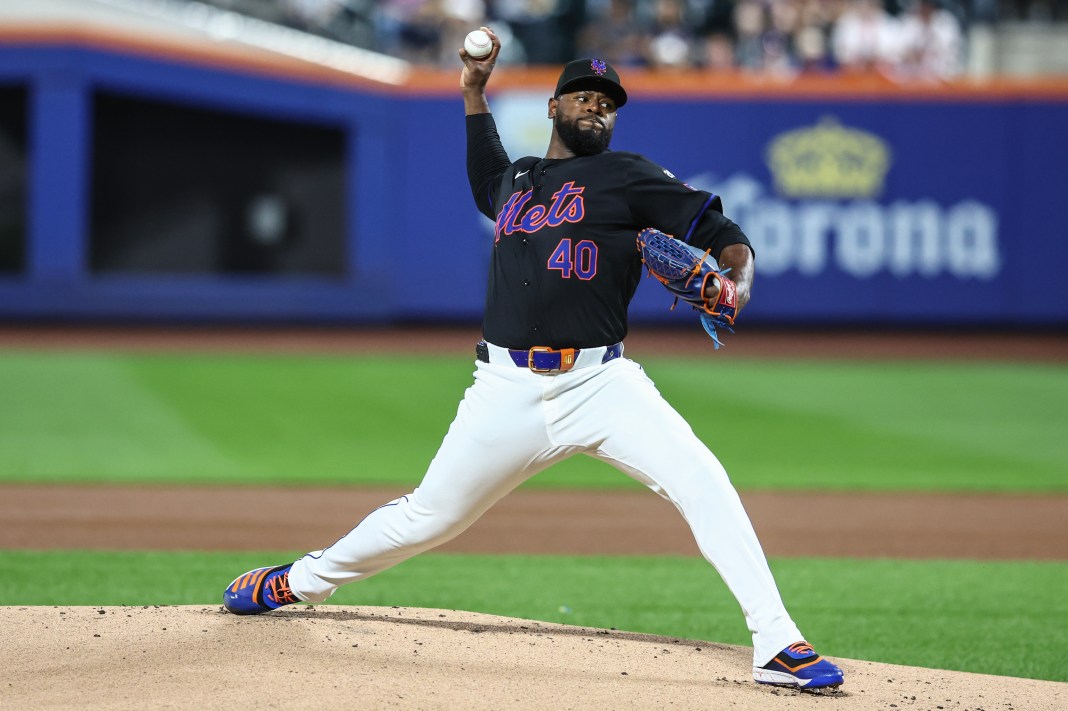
(374, 658)
(403, 658)
(531, 521)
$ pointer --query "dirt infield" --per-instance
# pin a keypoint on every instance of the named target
(530, 521)
(403, 658)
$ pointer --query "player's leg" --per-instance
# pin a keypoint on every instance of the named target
(641, 434)
(497, 441)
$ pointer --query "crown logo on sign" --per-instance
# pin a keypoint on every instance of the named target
(599, 67)
(828, 160)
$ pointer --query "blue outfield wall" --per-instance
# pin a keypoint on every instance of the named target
(888, 211)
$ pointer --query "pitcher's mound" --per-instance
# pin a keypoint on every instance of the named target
(319, 657)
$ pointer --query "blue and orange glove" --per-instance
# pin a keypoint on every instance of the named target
(685, 271)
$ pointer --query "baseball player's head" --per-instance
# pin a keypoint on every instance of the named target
(583, 109)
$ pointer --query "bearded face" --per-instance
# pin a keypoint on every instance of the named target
(584, 135)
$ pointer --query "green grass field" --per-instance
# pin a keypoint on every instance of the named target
(304, 420)
(371, 420)
(990, 617)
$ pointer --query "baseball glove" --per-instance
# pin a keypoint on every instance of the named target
(685, 271)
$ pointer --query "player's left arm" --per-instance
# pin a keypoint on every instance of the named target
(661, 200)
(732, 251)
(738, 258)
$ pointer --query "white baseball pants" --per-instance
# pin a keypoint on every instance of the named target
(513, 423)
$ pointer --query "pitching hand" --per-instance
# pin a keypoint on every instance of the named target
(477, 71)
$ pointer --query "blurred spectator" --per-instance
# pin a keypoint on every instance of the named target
(458, 17)
(716, 17)
(547, 29)
(765, 36)
(672, 42)
(750, 25)
(901, 38)
(779, 42)
(929, 42)
(812, 38)
(719, 52)
(810, 44)
(616, 35)
(865, 37)
(419, 31)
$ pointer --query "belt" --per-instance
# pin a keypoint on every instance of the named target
(545, 360)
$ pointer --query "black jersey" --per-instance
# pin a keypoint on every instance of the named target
(565, 262)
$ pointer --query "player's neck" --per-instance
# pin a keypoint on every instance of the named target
(557, 150)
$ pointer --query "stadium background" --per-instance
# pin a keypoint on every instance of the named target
(197, 208)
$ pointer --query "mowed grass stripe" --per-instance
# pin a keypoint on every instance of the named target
(983, 617)
(378, 420)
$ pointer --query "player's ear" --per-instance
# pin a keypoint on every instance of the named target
(553, 103)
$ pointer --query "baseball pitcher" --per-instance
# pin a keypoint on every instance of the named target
(574, 232)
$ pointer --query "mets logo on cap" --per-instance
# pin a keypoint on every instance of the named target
(598, 66)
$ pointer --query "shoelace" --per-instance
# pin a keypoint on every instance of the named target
(278, 590)
(801, 648)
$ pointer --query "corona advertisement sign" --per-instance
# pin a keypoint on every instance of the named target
(828, 160)
(824, 210)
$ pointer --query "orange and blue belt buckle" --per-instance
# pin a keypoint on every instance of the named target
(541, 359)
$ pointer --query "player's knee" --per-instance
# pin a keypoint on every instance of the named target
(432, 529)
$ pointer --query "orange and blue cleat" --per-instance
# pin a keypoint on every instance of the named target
(259, 590)
(799, 666)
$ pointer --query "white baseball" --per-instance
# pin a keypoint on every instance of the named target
(478, 44)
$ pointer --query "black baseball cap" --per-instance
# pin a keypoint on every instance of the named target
(591, 74)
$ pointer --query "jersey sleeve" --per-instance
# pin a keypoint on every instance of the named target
(486, 161)
(658, 199)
